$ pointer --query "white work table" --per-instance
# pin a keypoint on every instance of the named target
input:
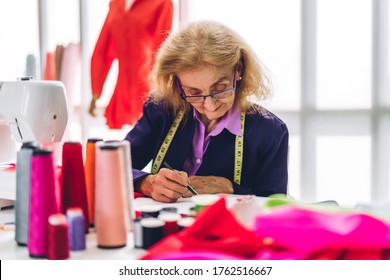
(9, 250)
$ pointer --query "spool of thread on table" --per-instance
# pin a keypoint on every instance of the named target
(90, 168)
(23, 179)
(111, 210)
(170, 220)
(129, 187)
(138, 234)
(42, 201)
(185, 222)
(76, 221)
(150, 211)
(73, 190)
(168, 210)
(204, 200)
(152, 231)
(58, 238)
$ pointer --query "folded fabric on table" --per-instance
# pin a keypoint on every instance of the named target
(284, 232)
(215, 231)
(296, 232)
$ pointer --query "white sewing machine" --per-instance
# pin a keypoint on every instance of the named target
(34, 111)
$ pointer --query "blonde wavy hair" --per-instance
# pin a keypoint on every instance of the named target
(200, 43)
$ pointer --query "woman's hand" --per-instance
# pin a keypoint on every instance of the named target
(92, 106)
(166, 186)
(211, 184)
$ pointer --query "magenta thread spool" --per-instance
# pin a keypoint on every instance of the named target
(152, 231)
(42, 201)
(76, 222)
(170, 220)
(111, 211)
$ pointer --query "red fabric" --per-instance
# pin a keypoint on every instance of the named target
(287, 232)
(131, 36)
(214, 230)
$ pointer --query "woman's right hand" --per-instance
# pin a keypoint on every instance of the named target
(166, 186)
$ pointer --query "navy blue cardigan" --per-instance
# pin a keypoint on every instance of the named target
(264, 170)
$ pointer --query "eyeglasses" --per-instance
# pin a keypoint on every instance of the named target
(216, 94)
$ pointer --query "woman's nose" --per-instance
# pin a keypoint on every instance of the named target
(210, 103)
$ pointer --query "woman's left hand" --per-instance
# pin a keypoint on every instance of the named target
(211, 184)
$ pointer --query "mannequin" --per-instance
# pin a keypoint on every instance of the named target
(132, 33)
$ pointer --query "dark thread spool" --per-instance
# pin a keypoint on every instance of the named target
(152, 231)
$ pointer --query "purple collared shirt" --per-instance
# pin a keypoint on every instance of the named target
(230, 121)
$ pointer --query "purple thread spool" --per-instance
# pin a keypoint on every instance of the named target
(76, 223)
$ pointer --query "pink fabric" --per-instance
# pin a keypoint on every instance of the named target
(299, 233)
(196, 255)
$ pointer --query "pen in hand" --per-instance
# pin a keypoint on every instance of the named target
(191, 189)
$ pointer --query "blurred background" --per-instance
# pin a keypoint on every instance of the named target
(328, 61)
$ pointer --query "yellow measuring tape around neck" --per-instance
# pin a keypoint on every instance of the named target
(239, 147)
(239, 151)
(167, 141)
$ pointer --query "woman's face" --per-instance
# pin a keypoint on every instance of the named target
(205, 80)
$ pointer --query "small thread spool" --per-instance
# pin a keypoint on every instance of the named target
(170, 220)
(138, 234)
(204, 200)
(58, 240)
(191, 212)
(168, 210)
(23, 177)
(42, 201)
(150, 211)
(185, 222)
(152, 231)
(90, 168)
(76, 223)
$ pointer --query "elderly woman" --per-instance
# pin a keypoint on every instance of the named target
(202, 121)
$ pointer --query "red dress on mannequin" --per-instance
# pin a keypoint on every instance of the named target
(131, 36)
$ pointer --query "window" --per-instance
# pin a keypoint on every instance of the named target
(328, 61)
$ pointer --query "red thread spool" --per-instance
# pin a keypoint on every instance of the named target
(73, 187)
(170, 220)
(58, 240)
